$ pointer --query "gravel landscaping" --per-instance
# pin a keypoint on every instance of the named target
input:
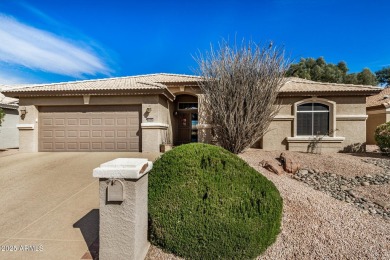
(344, 189)
(337, 207)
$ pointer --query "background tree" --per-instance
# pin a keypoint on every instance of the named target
(383, 76)
(240, 86)
(366, 77)
(319, 70)
(2, 115)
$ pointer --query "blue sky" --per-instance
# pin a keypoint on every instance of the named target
(52, 41)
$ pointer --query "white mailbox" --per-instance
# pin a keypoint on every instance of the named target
(115, 190)
(123, 168)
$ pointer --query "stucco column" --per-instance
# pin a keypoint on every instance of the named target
(123, 188)
(152, 134)
(28, 129)
(204, 125)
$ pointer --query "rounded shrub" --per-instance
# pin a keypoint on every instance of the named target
(382, 136)
(207, 203)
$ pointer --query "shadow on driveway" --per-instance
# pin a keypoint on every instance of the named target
(89, 227)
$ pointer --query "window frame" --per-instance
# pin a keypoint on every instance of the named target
(331, 110)
(312, 113)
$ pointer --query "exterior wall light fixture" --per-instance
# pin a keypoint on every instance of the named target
(23, 112)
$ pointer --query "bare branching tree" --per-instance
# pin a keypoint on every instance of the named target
(240, 84)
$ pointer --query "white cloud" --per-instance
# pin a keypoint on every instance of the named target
(9, 78)
(36, 49)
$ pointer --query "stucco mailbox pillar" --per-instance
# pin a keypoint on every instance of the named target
(123, 187)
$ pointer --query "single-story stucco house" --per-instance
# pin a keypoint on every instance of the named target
(9, 134)
(378, 111)
(138, 113)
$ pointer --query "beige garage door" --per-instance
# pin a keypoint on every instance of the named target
(89, 128)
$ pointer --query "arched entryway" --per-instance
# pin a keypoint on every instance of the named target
(186, 119)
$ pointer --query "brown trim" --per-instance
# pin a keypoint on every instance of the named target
(55, 93)
(329, 93)
(381, 106)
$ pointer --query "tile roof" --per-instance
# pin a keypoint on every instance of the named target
(7, 102)
(142, 82)
(298, 85)
(292, 86)
(380, 99)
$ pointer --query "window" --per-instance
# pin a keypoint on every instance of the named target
(312, 119)
(187, 105)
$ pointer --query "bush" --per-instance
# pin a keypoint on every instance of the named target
(207, 203)
(2, 115)
(382, 136)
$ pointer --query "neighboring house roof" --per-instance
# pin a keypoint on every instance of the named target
(380, 100)
(7, 102)
(157, 83)
(294, 86)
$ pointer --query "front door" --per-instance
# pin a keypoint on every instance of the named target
(187, 131)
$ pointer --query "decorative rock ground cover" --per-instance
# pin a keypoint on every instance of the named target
(345, 189)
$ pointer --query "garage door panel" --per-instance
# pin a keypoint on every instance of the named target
(47, 146)
(109, 146)
(121, 133)
(97, 133)
(121, 145)
(59, 146)
(47, 134)
(59, 121)
(84, 121)
(59, 133)
(84, 134)
(109, 121)
(71, 134)
(109, 133)
(72, 146)
(72, 121)
(86, 128)
(96, 121)
(85, 146)
(97, 146)
(133, 146)
(47, 122)
(121, 121)
(133, 121)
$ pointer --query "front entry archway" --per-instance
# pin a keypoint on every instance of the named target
(186, 114)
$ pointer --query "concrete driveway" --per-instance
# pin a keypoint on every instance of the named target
(49, 204)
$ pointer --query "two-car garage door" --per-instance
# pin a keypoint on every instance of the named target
(89, 128)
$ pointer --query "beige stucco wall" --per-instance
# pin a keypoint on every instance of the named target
(9, 136)
(348, 117)
(28, 134)
(375, 118)
(275, 138)
(151, 135)
(353, 128)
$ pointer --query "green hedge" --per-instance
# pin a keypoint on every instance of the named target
(207, 203)
(382, 136)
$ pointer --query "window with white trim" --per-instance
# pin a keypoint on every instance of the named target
(312, 119)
